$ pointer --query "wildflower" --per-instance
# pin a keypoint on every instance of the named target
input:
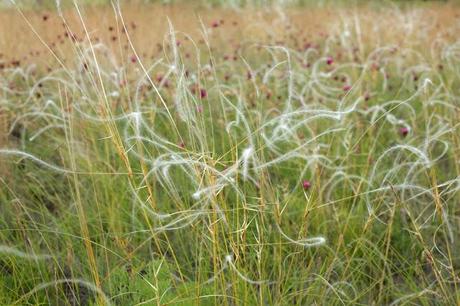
(404, 131)
(203, 93)
(133, 59)
(215, 24)
(346, 88)
(329, 60)
(306, 184)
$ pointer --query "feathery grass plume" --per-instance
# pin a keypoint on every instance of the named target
(272, 156)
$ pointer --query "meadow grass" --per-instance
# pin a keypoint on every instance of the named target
(178, 155)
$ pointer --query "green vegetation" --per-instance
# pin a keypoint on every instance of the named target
(285, 169)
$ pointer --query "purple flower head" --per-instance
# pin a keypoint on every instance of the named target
(203, 93)
(404, 131)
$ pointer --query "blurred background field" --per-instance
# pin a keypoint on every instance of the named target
(40, 4)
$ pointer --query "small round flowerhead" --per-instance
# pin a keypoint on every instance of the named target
(329, 60)
(203, 93)
(306, 184)
(215, 24)
(404, 131)
(133, 59)
(346, 88)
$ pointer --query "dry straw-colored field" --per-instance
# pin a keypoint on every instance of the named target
(25, 33)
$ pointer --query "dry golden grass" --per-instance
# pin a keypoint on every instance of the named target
(147, 26)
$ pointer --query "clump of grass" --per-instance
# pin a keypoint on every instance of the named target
(278, 167)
